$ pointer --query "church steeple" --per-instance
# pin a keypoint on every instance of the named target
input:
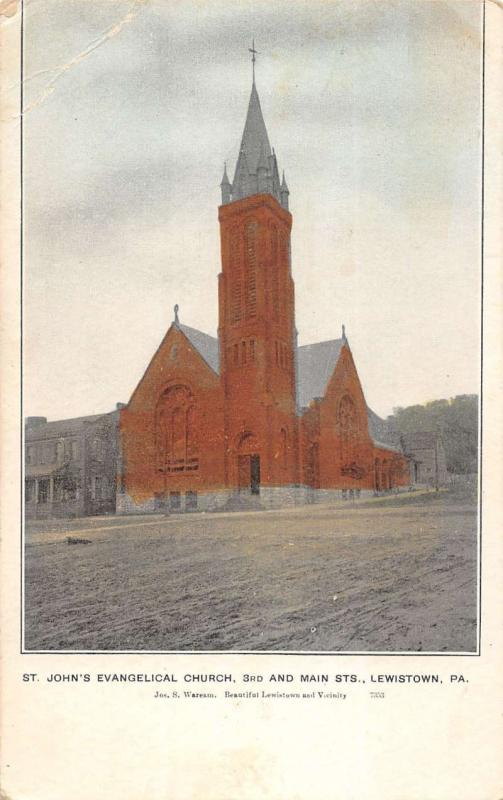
(256, 168)
(256, 327)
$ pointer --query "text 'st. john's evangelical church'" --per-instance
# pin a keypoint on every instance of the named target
(251, 413)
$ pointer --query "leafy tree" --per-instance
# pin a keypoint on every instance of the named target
(456, 420)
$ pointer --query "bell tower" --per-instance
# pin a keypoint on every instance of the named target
(256, 315)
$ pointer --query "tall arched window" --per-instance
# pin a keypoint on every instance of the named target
(348, 425)
(377, 475)
(284, 249)
(284, 447)
(236, 280)
(274, 272)
(251, 232)
(176, 431)
(385, 474)
(313, 466)
(191, 433)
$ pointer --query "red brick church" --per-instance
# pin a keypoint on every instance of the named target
(251, 416)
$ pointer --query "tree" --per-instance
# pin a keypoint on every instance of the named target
(456, 420)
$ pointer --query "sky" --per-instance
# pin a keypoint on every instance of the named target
(131, 109)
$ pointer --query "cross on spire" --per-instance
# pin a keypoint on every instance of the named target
(254, 53)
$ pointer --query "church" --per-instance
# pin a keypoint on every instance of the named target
(250, 418)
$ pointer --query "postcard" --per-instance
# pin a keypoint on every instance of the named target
(251, 421)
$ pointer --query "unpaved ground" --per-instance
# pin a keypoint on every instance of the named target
(398, 575)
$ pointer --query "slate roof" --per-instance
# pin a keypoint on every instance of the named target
(255, 138)
(256, 165)
(316, 362)
(381, 433)
(315, 366)
(64, 427)
(206, 346)
(379, 430)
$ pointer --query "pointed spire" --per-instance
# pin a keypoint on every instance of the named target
(225, 179)
(225, 187)
(255, 133)
(256, 166)
(284, 192)
(344, 333)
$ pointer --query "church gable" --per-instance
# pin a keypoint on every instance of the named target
(341, 432)
(326, 374)
(344, 381)
(186, 355)
(172, 428)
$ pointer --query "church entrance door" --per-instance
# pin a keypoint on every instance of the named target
(243, 473)
(249, 473)
(255, 474)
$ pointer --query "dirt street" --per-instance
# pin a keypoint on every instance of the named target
(395, 575)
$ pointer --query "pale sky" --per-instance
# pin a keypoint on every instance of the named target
(374, 110)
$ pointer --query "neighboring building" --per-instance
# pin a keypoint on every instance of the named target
(251, 413)
(427, 454)
(71, 466)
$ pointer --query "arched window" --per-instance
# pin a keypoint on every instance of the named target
(313, 466)
(176, 426)
(235, 276)
(251, 232)
(348, 425)
(284, 447)
(274, 272)
(284, 244)
(191, 433)
(385, 475)
(377, 475)
(178, 434)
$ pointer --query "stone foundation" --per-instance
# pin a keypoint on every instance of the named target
(126, 505)
(186, 503)
(270, 497)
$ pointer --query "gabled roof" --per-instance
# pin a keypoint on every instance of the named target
(380, 430)
(206, 346)
(315, 366)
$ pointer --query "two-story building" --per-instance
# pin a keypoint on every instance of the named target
(71, 465)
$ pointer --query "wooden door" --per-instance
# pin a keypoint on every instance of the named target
(244, 473)
(255, 474)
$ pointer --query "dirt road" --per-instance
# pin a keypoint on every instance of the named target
(394, 576)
